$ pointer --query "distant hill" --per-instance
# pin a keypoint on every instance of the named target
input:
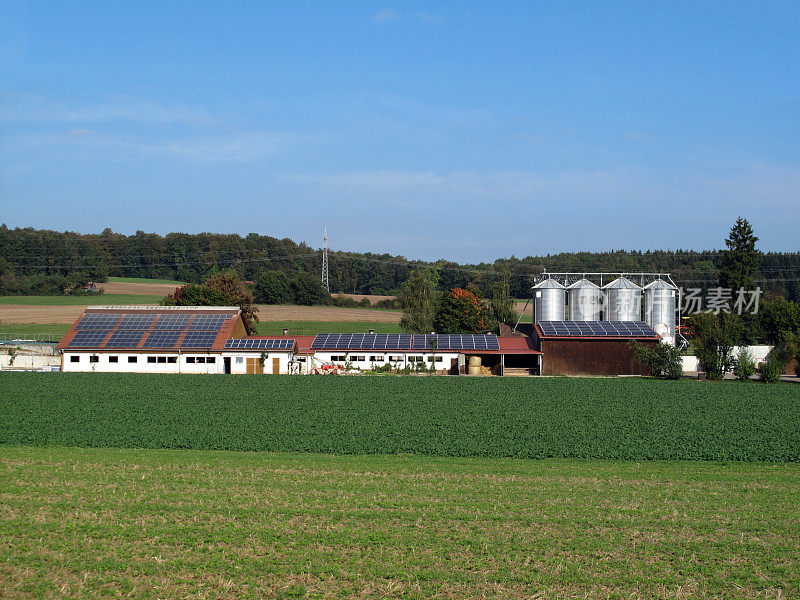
(33, 259)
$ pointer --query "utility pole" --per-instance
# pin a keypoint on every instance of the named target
(325, 283)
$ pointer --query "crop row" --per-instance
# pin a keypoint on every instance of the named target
(634, 419)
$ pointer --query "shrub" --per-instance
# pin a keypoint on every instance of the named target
(662, 361)
(744, 366)
(771, 370)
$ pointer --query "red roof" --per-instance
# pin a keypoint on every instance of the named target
(517, 345)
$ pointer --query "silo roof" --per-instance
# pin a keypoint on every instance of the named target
(584, 283)
(621, 283)
(660, 284)
(551, 284)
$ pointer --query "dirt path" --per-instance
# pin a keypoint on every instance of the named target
(117, 287)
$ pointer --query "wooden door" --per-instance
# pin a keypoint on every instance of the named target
(276, 366)
(254, 367)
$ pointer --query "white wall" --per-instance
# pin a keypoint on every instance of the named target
(31, 362)
(759, 353)
(142, 365)
(326, 356)
(239, 361)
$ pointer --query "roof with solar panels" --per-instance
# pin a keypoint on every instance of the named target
(595, 329)
(219, 328)
(153, 328)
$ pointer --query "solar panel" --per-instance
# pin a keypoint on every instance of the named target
(362, 341)
(456, 341)
(199, 339)
(137, 321)
(88, 338)
(172, 321)
(251, 344)
(98, 321)
(162, 339)
(208, 322)
(597, 328)
(125, 338)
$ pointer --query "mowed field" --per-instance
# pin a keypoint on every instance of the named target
(110, 523)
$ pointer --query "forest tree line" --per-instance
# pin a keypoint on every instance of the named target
(34, 261)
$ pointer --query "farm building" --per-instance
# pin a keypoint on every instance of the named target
(209, 339)
(591, 347)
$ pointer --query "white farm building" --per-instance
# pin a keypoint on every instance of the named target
(213, 340)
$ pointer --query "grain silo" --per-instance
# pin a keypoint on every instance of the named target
(623, 301)
(549, 301)
(660, 300)
(585, 301)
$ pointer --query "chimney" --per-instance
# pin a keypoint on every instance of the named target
(285, 331)
(372, 331)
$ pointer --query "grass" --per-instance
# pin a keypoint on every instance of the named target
(81, 300)
(144, 280)
(100, 523)
(619, 418)
(54, 329)
(314, 327)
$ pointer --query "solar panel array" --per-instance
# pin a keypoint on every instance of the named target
(99, 321)
(597, 328)
(135, 321)
(456, 342)
(403, 341)
(88, 338)
(198, 339)
(362, 341)
(125, 338)
(162, 339)
(251, 344)
(166, 329)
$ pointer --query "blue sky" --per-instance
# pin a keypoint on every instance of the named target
(467, 131)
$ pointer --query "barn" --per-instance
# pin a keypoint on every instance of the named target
(591, 347)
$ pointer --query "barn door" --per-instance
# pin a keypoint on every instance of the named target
(276, 366)
(254, 366)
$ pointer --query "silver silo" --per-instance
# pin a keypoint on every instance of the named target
(549, 301)
(623, 301)
(585, 301)
(660, 301)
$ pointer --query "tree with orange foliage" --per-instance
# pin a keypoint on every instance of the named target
(460, 311)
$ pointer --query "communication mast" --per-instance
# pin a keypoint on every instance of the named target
(325, 282)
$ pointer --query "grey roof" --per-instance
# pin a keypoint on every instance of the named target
(621, 283)
(549, 284)
(583, 283)
(660, 284)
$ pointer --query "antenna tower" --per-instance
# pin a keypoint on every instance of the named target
(325, 282)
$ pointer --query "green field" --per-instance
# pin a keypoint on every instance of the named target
(314, 327)
(100, 299)
(144, 280)
(620, 418)
(53, 329)
(108, 523)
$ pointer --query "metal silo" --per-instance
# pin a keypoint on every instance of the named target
(623, 301)
(549, 301)
(660, 301)
(585, 301)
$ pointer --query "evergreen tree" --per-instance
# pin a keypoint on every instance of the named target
(740, 261)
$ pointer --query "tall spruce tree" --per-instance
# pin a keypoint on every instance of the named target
(740, 260)
(418, 302)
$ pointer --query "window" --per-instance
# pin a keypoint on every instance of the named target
(358, 358)
(211, 359)
(151, 359)
(414, 359)
(338, 357)
(162, 359)
(190, 359)
(74, 358)
(239, 360)
(94, 358)
(133, 359)
(172, 359)
(378, 358)
(395, 359)
(113, 359)
(436, 358)
(200, 359)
